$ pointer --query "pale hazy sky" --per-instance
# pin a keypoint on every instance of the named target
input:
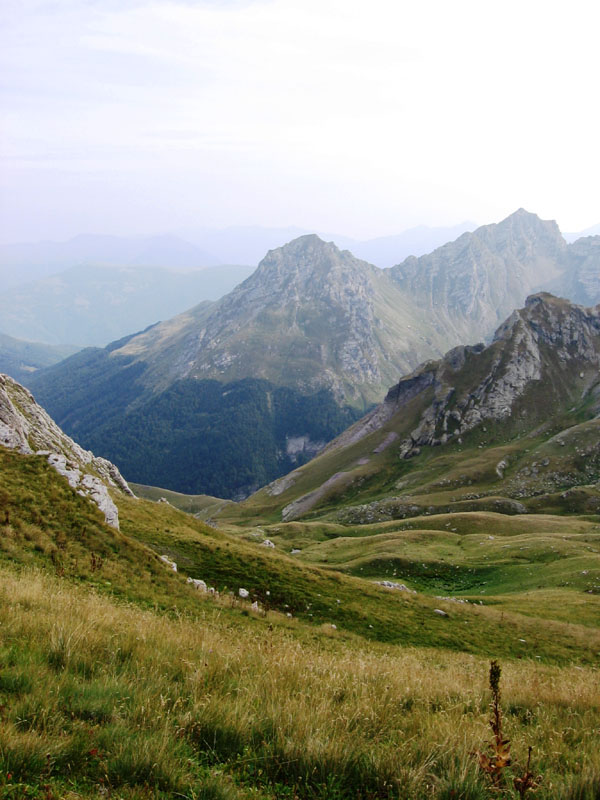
(363, 118)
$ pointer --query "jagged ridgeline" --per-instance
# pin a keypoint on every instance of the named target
(510, 427)
(232, 394)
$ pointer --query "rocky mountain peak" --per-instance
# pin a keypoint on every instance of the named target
(571, 332)
(311, 316)
(26, 427)
(526, 236)
(549, 342)
(474, 282)
(306, 259)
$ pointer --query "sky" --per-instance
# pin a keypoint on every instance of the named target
(364, 119)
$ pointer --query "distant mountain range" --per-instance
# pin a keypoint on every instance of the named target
(89, 305)
(92, 305)
(329, 330)
(21, 359)
(27, 261)
(91, 290)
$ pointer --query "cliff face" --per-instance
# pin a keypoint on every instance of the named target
(26, 427)
(470, 285)
(549, 344)
(581, 282)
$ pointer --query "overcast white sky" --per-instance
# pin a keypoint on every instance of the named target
(363, 118)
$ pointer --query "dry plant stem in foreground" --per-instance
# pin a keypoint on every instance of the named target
(523, 783)
(499, 756)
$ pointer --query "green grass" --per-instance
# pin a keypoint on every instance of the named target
(102, 698)
(118, 678)
(325, 596)
(201, 505)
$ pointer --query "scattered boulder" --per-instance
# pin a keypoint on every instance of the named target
(400, 587)
(243, 593)
(268, 543)
(169, 562)
(199, 584)
(440, 612)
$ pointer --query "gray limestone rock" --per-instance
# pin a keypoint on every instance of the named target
(26, 427)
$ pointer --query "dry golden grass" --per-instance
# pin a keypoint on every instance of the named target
(169, 700)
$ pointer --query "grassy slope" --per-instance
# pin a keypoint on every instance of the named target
(55, 527)
(181, 693)
(202, 505)
(105, 699)
(431, 522)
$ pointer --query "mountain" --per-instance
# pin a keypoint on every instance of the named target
(489, 428)
(28, 261)
(386, 251)
(312, 326)
(229, 395)
(467, 287)
(20, 359)
(26, 427)
(311, 316)
(93, 305)
(581, 281)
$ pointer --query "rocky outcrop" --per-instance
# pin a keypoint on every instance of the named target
(475, 384)
(525, 350)
(26, 427)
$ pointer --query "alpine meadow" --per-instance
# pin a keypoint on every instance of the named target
(299, 401)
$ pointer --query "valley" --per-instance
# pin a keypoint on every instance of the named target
(321, 683)
(312, 326)
(309, 608)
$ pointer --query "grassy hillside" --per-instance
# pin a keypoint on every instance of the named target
(201, 505)
(134, 704)
(52, 527)
(334, 688)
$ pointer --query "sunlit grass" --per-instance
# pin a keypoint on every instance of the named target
(96, 694)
